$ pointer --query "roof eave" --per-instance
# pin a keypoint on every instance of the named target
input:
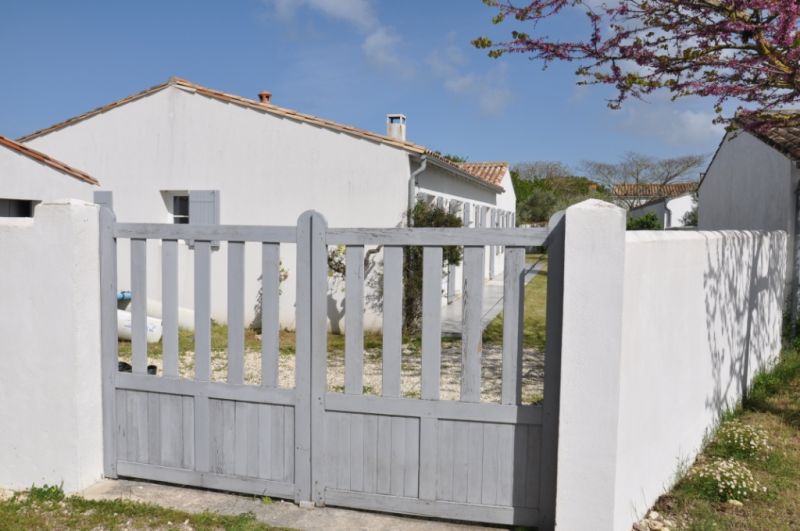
(464, 175)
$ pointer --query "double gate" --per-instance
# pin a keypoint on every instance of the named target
(463, 459)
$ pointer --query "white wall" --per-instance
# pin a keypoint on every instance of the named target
(678, 208)
(24, 178)
(695, 316)
(50, 392)
(268, 170)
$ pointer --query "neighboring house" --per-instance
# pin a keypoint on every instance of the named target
(752, 183)
(632, 195)
(670, 212)
(240, 161)
(28, 177)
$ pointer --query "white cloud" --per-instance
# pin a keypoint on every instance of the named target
(490, 88)
(673, 123)
(381, 43)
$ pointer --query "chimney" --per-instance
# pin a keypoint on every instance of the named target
(264, 96)
(396, 126)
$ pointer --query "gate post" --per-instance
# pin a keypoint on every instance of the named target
(108, 337)
(311, 356)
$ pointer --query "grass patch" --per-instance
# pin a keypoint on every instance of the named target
(534, 311)
(47, 507)
(772, 408)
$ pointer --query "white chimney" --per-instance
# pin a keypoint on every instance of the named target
(396, 126)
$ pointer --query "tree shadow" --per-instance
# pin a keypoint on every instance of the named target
(743, 283)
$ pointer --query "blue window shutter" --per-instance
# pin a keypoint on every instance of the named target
(204, 209)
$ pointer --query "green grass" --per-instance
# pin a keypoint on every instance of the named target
(47, 508)
(534, 312)
(774, 406)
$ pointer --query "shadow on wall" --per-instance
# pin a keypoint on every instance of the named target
(744, 293)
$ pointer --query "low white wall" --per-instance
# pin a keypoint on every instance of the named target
(658, 356)
(50, 388)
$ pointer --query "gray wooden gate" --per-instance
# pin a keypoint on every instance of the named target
(462, 459)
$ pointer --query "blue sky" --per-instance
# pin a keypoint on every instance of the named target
(351, 61)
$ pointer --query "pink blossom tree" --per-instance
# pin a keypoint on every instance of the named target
(741, 50)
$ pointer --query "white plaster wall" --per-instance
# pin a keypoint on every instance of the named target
(24, 178)
(268, 170)
(678, 208)
(659, 210)
(50, 390)
(662, 332)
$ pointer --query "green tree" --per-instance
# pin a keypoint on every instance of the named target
(423, 215)
(647, 222)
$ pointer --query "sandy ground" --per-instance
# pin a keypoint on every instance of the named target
(491, 382)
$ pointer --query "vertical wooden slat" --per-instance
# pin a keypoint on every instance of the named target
(319, 348)
(302, 457)
(431, 322)
(139, 305)
(276, 442)
(251, 418)
(471, 331)
(492, 248)
(505, 463)
(356, 452)
(270, 294)
(474, 464)
(429, 454)
(240, 438)
(236, 312)
(121, 448)
(451, 283)
(384, 461)
(202, 311)
(154, 428)
(202, 432)
(188, 431)
(444, 463)
(169, 306)
(392, 320)
(513, 305)
(354, 320)
(342, 443)
(228, 436)
(265, 438)
(370, 453)
(215, 435)
(552, 374)
(490, 465)
(460, 461)
(288, 444)
(397, 468)
(411, 464)
(108, 339)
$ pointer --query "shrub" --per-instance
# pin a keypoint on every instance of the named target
(723, 479)
(742, 441)
(647, 222)
(46, 493)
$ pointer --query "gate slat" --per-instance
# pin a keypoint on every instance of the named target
(188, 431)
(356, 452)
(154, 428)
(139, 305)
(265, 435)
(411, 465)
(445, 448)
(110, 343)
(228, 436)
(169, 306)
(288, 444)
(235, 312)
(474, 465)
(354, 320)
(392, 320)
(240, 438)
(471, 324)
(202, 311)
(431, 322)
(251, 418)
(370, 453)
(270, 312)
(513, 304)
(383, 484)
(460, 461)
(276, 442)
(505, 466)
(489, 472)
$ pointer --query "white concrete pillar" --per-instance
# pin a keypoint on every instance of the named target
(594, 262)
(50, 392)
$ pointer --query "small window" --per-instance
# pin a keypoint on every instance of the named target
(180, 209)
(16, 208)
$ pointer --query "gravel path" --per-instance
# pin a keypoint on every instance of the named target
(491, 382)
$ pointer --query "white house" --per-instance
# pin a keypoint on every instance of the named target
(752, 183)
(670, 211)
(178, 143)
(28, 177)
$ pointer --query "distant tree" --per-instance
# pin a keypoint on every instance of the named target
(635, 168)
(523, 188)
(541, 169)
(454, 158)
(647, 222)
(549, 195)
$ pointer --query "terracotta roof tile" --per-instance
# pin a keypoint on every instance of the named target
(654, 190)
(492, 172)
(40, 157)
(785, 139)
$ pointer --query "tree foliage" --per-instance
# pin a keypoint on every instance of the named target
(549, 195)
(423, 215)
(691, 218)
(746, 50)
(647, 222)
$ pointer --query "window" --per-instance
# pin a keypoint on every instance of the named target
(180, 209)
(16, 208)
